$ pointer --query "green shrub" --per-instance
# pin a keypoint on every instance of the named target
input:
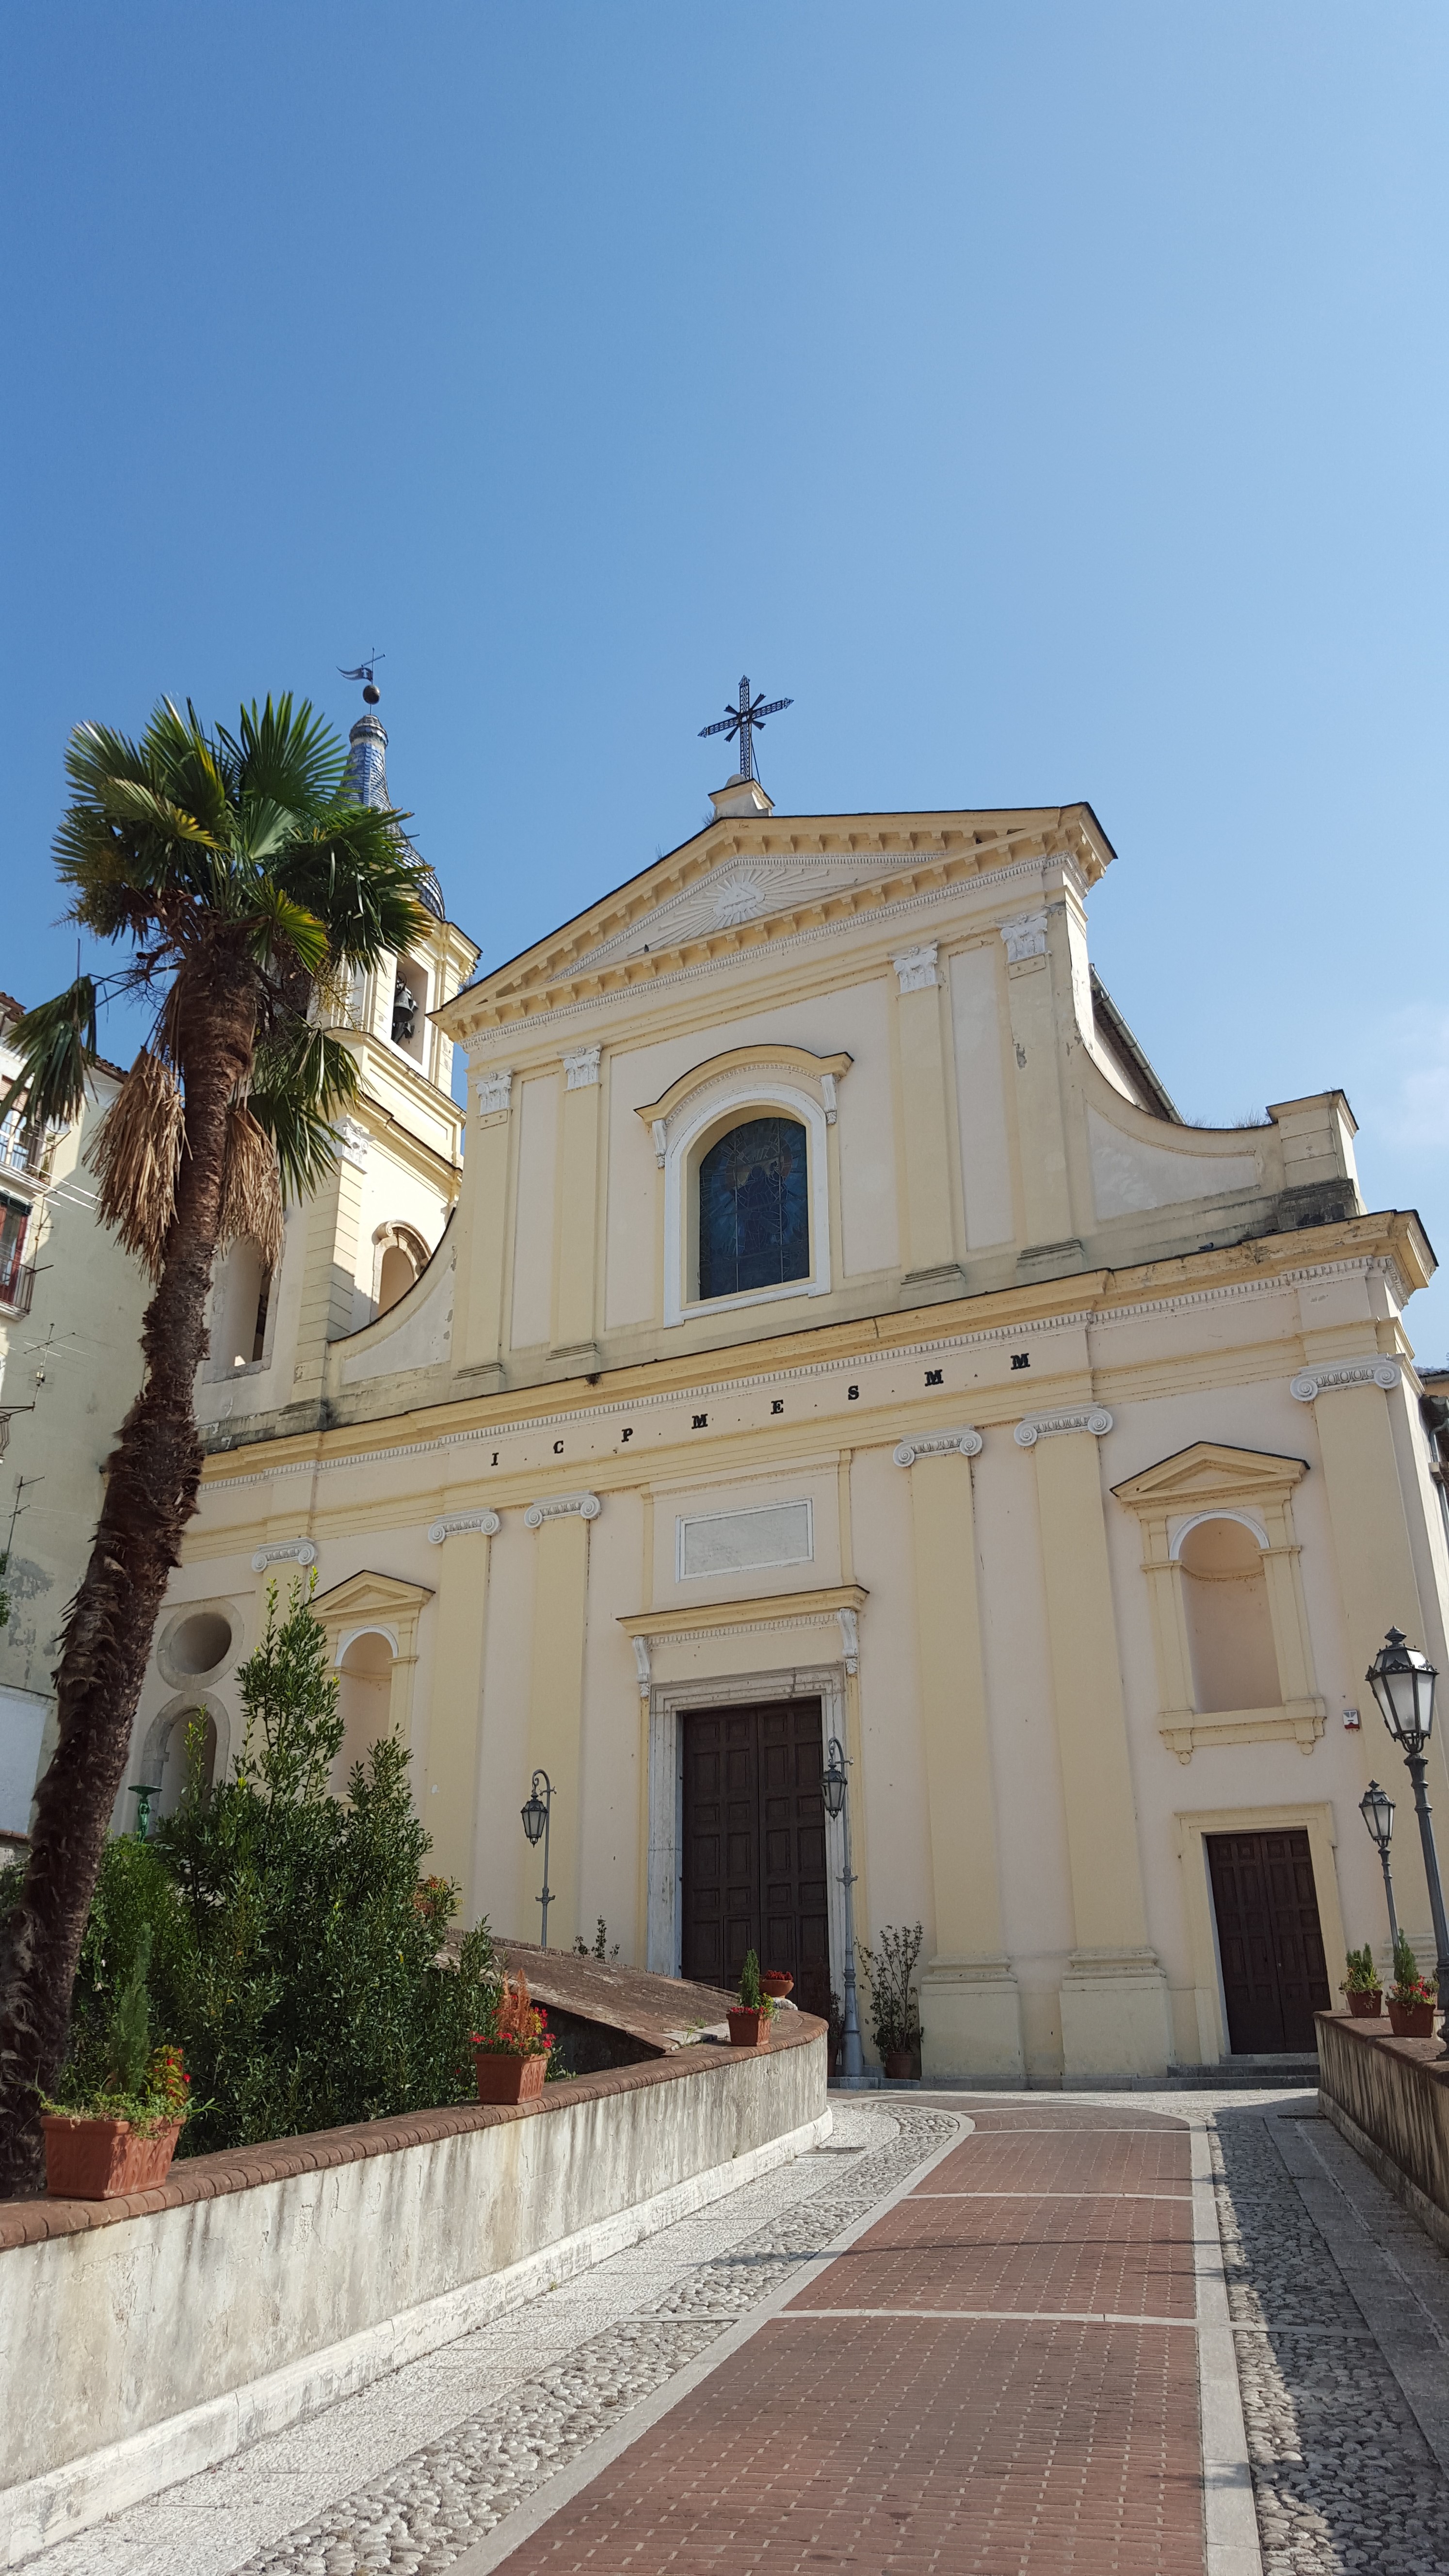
(894, 2006)
(293, 1939)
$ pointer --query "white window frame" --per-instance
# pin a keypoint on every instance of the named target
(751, 1095)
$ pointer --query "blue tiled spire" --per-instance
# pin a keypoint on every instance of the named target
(366, 780)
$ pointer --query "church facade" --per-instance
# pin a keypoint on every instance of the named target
(840, 1337)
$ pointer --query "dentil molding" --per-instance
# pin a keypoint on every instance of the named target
(1332, 1374)
(1042, 1426)
(557, 1508)
(453, 1525)
(939, 1444)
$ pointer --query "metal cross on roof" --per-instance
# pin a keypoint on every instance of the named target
(746, 720)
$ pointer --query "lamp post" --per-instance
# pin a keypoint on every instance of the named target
(1377, 1810)
(835, 1790)
(1402, 1681)
(535, 1825)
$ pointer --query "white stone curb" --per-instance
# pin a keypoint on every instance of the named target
(1230, 2519)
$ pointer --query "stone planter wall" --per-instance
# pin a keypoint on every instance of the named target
(143, 2339)
(1390, 2099)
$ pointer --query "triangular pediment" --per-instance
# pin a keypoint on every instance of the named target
(1210, 1472)
(744, 881)
(369, 1596)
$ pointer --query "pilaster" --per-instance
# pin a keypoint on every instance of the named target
(450, 1806)
(970, 2007)
(329, 1275)
(483, 1220)
(556, 1694)
(930, 1248)
(1051, 1227)
(1115, 2016)
(576, 1226)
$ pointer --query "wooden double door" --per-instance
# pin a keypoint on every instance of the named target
(1270, 1942)
(754, 1842)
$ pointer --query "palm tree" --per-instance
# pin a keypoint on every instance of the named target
(246, 885)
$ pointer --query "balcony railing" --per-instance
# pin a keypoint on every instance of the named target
(17, 1286)
(25, 1149)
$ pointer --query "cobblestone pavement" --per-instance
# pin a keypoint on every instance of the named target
(426, 2462)
(1341, 2306)
(999, 2376)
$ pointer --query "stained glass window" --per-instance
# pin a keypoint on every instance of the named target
(754, 1219)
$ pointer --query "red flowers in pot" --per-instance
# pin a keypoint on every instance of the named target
(511, 2056)
(1411, 1997)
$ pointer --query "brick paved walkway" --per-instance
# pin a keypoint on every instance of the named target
(998, 2378)
(903, 2353)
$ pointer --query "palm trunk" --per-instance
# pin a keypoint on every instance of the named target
(153, 1476)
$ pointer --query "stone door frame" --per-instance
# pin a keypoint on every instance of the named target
(825, 1682)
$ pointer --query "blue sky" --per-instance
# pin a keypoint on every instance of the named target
(1049, 398)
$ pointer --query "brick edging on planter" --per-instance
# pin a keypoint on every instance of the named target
(231, 2169)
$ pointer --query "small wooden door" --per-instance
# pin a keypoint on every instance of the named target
(754, 1840)
(1275, 1976)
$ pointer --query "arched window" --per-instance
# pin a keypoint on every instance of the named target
(365, 1673)
(754, 1209)
(402, 1257)
(1230, 1629)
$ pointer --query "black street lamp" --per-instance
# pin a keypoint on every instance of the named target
(835, 1790)
(1377, 1810)
(1402, 1681)
(536, 1813)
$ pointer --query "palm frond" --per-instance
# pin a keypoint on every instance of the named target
(356, 873)
(302, 1080)
(56, 1044)
(134, 1155)
(291, 757)
(133, 802)
(281, 928)
(251, 1188)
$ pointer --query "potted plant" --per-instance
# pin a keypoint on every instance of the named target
(1411, 1997)
(1361, 1985)
(895, 2016)
(119, 2135)
(511, 2055)
(750, 2018)
(777, 1983)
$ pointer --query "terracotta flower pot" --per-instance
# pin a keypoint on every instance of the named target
(778, 1982)
(749, 2027)
(103, 2159)
(900, 2064)
(1411, 2021)
(1366, 2007)
(503, 2077)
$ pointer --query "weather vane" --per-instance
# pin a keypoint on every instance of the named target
(364, 671)
(747, 720)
